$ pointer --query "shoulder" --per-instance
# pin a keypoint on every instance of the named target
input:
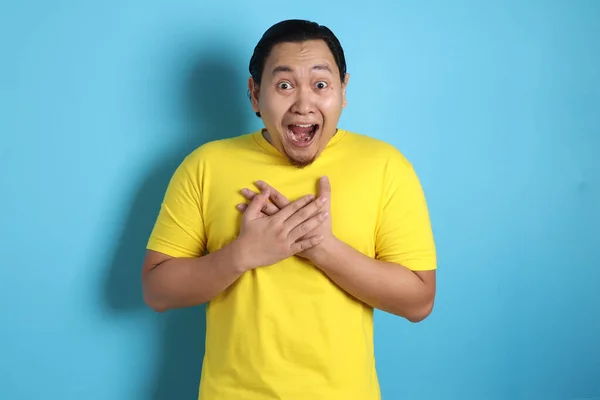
(377, 151)
(396, 174)
(216, 151)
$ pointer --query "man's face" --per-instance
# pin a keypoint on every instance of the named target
(300, 99)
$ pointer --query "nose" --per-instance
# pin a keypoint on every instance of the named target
(304, 103)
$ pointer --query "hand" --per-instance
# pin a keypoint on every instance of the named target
(279, 202)
(268, 239)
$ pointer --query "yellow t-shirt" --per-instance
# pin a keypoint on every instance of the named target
(286, 331)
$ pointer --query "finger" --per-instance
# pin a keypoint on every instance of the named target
(270, 208)
(324, 188)
(293, 207)
(276, 197)
(305, 213)
(257, 205)
(307, 226)
(243, 207)
(248, 194)
(306, 244)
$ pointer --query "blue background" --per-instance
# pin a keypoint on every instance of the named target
(497, 104)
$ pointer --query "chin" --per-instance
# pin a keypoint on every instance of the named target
(301, 159)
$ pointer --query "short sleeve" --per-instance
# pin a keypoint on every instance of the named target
(404, 235)
(179, 229)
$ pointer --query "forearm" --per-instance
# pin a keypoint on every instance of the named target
(186, 282)
(386, 286)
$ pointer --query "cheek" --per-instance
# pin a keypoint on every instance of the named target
(333, 99)
(331, 105)
(275, 106)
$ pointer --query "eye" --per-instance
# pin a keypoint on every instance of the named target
(285, 85)
(321, 85)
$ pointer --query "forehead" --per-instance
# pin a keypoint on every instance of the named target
(303, 55)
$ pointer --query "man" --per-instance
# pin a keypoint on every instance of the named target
(293, 235)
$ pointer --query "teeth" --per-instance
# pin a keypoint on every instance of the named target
(304, 125)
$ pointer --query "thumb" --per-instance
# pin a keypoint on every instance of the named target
(257, 204)
(325, 188)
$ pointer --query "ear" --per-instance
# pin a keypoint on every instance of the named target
(253, 91)
(344, 85)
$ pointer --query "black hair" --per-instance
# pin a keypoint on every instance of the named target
(294, 31)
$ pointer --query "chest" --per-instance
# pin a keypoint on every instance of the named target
(355, 202)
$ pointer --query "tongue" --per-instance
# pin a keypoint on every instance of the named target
(301, 133)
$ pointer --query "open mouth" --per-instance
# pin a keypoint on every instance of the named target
(302, 135)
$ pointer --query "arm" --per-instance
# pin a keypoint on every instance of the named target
(403, 236)
(170, 282)
(384, 285)
(383, 282)
(401, 279)
(175, 271)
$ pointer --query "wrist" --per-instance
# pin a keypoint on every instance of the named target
(238, 251)
(323, 254)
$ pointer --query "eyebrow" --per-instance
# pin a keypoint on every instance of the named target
(285, 68)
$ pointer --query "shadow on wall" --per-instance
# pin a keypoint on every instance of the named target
(214, 108)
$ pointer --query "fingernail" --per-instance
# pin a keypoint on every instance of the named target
(324, 215)
(323, 200)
